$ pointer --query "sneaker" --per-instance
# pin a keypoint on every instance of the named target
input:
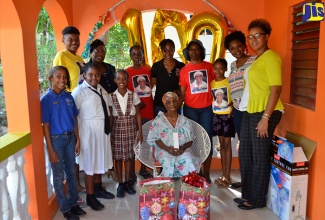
(120, 191)
(129, 189)
(103, 194)
(77, 210)
(94, 203)
(70, 216)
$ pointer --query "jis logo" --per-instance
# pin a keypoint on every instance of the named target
(313, 12)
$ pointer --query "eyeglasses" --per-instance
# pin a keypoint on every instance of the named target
(255, 36)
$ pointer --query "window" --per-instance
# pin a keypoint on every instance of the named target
(305, 44)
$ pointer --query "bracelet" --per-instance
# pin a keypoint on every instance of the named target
(265, 117)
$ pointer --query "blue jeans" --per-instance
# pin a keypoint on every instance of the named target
(64, 147)
(203, 116)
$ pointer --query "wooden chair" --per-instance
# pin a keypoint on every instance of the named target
(201, 147)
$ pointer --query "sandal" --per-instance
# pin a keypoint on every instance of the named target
(217, 181)
(145, 174)
(224, 182)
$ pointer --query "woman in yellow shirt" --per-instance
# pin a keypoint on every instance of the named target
(262, 101)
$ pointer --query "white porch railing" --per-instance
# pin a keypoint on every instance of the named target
(13, 188)
(48, 169)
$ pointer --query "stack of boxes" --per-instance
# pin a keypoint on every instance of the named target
(287, 195)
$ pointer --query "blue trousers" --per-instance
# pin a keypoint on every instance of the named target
(64, 147)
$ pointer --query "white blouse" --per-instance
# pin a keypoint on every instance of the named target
(88, 102)
(123, 100)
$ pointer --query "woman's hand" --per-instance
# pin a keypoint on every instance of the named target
(181, 149)
(77, 148)
(174, 151)
(142, 105)
(140, 138)
(262, 128)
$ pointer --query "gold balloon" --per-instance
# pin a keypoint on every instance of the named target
(132, 22)
(162, 19)
(213, 22)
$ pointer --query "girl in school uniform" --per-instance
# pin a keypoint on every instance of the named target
(93, 119)
(125, 119)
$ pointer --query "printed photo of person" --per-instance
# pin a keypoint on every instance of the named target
(198, 81)
(220, 97)
(141, 85)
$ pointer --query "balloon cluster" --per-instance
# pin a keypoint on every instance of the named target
(194, 179)
(102, 20)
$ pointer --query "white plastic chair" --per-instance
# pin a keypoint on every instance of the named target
(201, 147)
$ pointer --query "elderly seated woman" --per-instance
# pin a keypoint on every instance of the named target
(176, 162)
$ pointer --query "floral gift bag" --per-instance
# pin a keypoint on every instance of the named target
(157, 199)
(194, 198)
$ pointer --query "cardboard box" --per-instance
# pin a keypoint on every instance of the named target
(287, 195)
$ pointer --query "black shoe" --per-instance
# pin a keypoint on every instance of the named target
(70, 216)
(244, 206)
(77, 210)
(103, 194)
(236, 185)
(239, 200)
(145, 174)
(120, 191)
(129, 189)
(94, 203)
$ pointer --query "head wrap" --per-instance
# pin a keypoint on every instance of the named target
(169, 95)
(218, 91)
(140, 78)
(197, 73)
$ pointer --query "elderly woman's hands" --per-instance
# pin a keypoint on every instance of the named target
(174, 151)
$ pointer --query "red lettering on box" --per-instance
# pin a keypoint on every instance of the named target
(277, 157)
(300, 164)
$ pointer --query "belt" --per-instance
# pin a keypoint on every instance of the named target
(65, 133)
(68, 133)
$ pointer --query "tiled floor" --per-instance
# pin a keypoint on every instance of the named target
(222, 205)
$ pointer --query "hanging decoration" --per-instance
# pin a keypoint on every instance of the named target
(102, 20)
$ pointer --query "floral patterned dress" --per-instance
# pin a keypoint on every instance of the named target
(173, 166)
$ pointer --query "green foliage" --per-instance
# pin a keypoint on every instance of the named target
(117, 54)
(118, 47)
(3, 112)
(46, 48)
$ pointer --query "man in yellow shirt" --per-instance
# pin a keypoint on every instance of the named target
(68, 57)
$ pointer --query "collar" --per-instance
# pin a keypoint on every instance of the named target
(54, 95)
(86, 85)
(116, 92)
